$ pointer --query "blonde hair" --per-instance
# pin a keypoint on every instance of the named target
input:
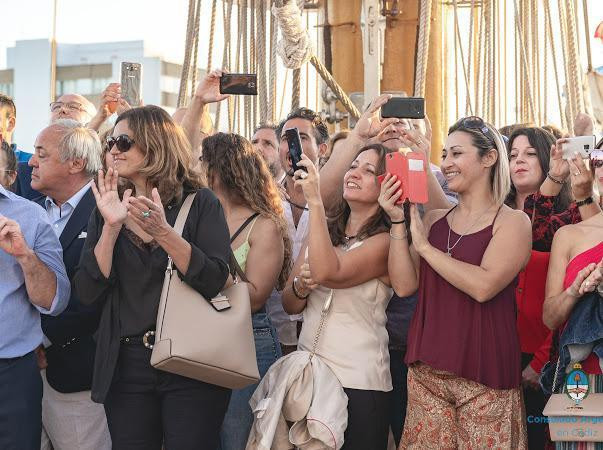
(168, 161)
(500, 173)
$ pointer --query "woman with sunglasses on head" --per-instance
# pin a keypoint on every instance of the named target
(125, 256)
(540, 186)
(240, 178)
(463, 352)
(353, 341)
(8, 165)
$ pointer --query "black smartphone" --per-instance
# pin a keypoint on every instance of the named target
(404, 108)
(599, 145)
(295, 148)
(239, 84)
(131, 79)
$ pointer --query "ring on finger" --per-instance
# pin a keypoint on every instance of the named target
(303, 175)
(146, 214)
(577, 173)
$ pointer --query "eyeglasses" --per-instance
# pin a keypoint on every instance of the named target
(122, 142)
(73, 106)
(477, 123)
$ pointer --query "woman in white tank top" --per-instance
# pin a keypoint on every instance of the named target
(347, 254)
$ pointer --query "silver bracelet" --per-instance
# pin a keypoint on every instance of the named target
(397, 238)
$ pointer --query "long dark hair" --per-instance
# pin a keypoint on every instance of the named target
(243, 172)
(377, 223)
(541, 140)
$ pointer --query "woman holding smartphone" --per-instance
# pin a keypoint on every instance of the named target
(353, 340)
(463, 351)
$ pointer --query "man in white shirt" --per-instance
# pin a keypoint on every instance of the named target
(314, 135)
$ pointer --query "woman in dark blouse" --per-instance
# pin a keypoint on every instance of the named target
(129, 239)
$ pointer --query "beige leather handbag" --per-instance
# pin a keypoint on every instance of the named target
(207, 341)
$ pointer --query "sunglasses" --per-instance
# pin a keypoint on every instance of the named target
(596, 163)
(477, 123)
(122, 142)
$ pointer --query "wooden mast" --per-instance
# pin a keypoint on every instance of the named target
(399, 56)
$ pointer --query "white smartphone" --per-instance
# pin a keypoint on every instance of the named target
(583, 145)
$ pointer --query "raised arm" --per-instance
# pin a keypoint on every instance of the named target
(208, 91)
(368, 126)
(43, 269)
(332, 267)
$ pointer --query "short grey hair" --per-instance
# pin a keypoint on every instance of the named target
(79, 142)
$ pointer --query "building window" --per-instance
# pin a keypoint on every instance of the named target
(6, 89)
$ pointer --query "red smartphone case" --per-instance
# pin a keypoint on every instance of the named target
(411, 170)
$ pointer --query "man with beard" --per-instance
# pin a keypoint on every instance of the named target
(266, 142)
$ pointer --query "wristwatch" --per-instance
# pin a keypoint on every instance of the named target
(586, 201)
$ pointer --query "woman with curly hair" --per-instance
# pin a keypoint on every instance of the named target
(240, 178)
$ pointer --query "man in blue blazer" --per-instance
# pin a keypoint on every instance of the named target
(67, 155)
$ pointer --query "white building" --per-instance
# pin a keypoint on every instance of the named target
(84, 69)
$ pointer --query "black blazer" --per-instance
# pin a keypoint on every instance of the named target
(71, 355)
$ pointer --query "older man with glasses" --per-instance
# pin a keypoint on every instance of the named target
(72, 106)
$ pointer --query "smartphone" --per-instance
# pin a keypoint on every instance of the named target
(599, 145)
(583, 145)
(239, 84)
(131, 79)
(411, 170)
(295, 148)
(396, 164)
(404, 108)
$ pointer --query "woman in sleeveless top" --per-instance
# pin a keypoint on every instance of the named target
(576, 269)
(260, 242)
(463, 351)
(348, 255)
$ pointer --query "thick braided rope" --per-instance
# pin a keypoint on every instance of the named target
(196, 45)
(252, 113)
(187, 54)
(574, 57)
(478, 63)
(334, 86)
(487, 92)
(423, 47)
(212, 32)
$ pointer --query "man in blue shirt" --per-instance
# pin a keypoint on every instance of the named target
(34, 281)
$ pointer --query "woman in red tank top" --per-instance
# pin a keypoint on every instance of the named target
(463, 349)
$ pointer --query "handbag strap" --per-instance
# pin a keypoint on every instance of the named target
(323, 317)
(233, 268)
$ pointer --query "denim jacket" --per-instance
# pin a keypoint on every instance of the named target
(584, 327)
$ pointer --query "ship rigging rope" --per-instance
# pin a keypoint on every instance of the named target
(195, 46)
(187, 54)
(296, 49)
(524, 59)
(212, 32)
(261, 61)
(423, 47)
(459, 44)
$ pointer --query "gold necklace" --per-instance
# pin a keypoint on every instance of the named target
(448, 247)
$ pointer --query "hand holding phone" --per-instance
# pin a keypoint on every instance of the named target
(411, 170)
(404, 108)
(295, 148)
(582, 145)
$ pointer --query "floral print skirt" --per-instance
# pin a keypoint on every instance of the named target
(449, 412)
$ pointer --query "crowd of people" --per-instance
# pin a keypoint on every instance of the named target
(440, 325)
